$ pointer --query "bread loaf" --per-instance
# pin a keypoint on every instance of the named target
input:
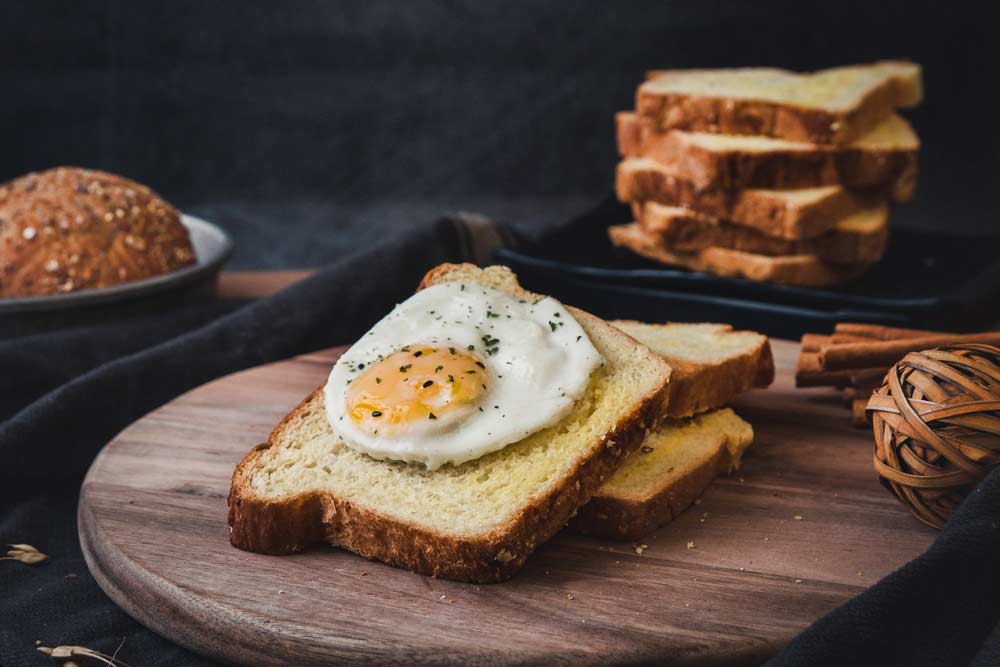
(70, 229)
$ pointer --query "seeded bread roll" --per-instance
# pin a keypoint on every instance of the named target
(69, 229)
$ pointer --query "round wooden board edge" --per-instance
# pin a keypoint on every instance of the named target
(174, 621)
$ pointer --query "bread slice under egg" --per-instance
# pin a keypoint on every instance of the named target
(478, 521)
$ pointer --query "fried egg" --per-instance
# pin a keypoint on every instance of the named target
(457, 371)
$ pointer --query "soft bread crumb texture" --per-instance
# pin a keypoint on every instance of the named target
(699, 342)
(480, 496)
(712, 364)
(677, 448)
(893, 133)
(839, 88)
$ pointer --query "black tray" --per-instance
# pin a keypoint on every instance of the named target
(926, 280)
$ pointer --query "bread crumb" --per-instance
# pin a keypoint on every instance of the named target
(639, 548)
(798, 581)
(798, 517)
(504, 556)
(364, 573)
(444, 597)
(690, 545)
(281, 591)
(28, 233)
(569, 596)
(766, 539)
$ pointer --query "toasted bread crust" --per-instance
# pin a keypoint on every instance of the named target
(685, 231)
(641, 180)
(697, 387)
(800, 270)
(853, 166)
(67, 229)
(727, 115)
(291, 524)
(634, 518)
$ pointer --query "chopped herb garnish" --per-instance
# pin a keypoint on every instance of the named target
(578, 338)
(452, 350)
(378, 380)
(404, 368)
(557, 315)
(481, 364)
(418, 353)
(472, 372)
(376, 413)
(451, 378)
(361, 366)
(428, 383)
(553, 325)
(471, 347)
(491, 314)
(437, 368)
(405, 348)
(431, 415)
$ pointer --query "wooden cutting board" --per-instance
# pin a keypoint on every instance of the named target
(800, 528)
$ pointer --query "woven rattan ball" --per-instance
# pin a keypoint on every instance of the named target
(937, 427)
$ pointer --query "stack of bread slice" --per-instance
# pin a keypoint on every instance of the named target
(767, 174)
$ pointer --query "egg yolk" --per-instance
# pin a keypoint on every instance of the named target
(416, 386)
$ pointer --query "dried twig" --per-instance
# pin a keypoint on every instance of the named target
(25, 553)
(68, 653)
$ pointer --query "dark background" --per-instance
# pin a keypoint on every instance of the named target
(308, 129)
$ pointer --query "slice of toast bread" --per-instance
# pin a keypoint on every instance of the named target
(884, 158)
(787, 214)
(674, 466)
(860, 237)
(478, 521)
(832, 106)
(712, 364)
(798, 270)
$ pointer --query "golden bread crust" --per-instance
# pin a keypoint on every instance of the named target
(67, 229)
(799, 270)
(619, 518)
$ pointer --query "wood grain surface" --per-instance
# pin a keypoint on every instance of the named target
(800, 528)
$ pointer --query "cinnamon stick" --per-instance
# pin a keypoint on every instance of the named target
(857, 330)
(859, 415)
(813, 342)
(839, 378)
(886, 353)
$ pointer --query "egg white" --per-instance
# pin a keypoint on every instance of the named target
(539, 367)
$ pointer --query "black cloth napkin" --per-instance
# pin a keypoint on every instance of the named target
(64, 395)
